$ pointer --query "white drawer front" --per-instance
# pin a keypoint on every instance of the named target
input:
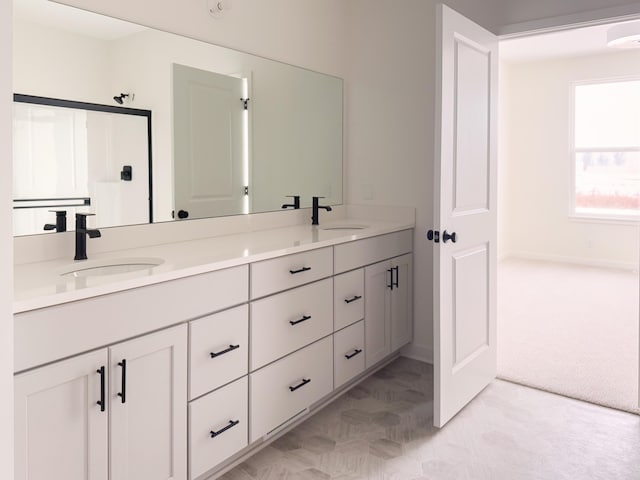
(290, 320)
(273, 401)
(356, 254)
(290, 271)
(219, 350)
(348, 295)
(348, 347)
(212, 413)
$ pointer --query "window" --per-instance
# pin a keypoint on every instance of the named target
(606, 150)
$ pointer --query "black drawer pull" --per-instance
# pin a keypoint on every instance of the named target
(300, 385)
(303, 319)
(397, 270)
(390, 270)
(101, 402)
(303, 269)
(222, 352)
(355, 352)
(123, 387)
(355, 297)
(224, 429)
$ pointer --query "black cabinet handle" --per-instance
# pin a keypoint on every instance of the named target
(101, 402)
(231, 424)
(449, 236)
(123, 385)
(355, 352)
(226, 350)
(300, 385)
(353, 299)
(390, 270)
(397, 270)
(303, 319)
(303, 269)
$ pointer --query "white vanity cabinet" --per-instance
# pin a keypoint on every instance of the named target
(128, 400)
(61, 432)
(388, 297)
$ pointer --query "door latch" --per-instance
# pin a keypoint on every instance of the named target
(433, 235)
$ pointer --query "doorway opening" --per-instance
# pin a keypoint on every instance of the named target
(568, 219)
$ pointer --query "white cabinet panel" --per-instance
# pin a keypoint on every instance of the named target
(218, 426)
(348, 349)
(290, 320)
(348, 256)
(348, 295)
(219, 351)
(290, 385)
(60, 430)
(377, 312)
(149, 406)
(290, 271)
(402, 302)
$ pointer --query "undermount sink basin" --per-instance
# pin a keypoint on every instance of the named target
(114, 266)
(345, 227)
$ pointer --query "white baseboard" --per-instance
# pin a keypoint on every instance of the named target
(590, 262)
(418, 352)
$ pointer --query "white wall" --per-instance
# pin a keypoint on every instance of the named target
(6, 246)
(537, 165)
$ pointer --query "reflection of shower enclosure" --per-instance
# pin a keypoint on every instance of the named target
(65, 149)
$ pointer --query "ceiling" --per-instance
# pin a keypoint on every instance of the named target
(568, 43)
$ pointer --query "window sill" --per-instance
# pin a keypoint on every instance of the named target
(632, 220)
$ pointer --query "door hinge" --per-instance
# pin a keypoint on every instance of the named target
(246, 190)
(245, 103)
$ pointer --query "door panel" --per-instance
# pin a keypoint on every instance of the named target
(60, 430)
(465, 203)
(148, 429)
(208, 142)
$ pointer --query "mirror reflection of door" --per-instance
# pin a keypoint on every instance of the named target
(209, 171)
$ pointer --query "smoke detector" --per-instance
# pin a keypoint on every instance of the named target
(625, 35)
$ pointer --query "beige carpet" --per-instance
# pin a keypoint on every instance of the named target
(570, 329)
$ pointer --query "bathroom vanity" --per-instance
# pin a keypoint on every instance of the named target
(198, 358)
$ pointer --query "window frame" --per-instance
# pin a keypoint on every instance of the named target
(573, 151)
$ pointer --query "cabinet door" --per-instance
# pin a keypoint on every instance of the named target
(60, 429)
(402, 301)
(148, 407)
(377, 312)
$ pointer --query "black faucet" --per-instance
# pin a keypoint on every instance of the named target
(314, 216)
(81, 235)
(61, 221)
(295, 204)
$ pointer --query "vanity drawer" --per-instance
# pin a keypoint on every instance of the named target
(219, 350)
(290, 271)
(348, 295)
(285, 388)
(348, 256)
(290, 320)
(348, 349)
(213, 413)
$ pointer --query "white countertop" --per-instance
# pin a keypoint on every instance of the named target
(39, 285)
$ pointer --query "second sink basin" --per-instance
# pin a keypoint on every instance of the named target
(114, 266)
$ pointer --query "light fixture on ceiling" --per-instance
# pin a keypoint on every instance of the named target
(119, 99)
(624, 35)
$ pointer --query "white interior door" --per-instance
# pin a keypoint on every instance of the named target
(208, 143)
(465, 204)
